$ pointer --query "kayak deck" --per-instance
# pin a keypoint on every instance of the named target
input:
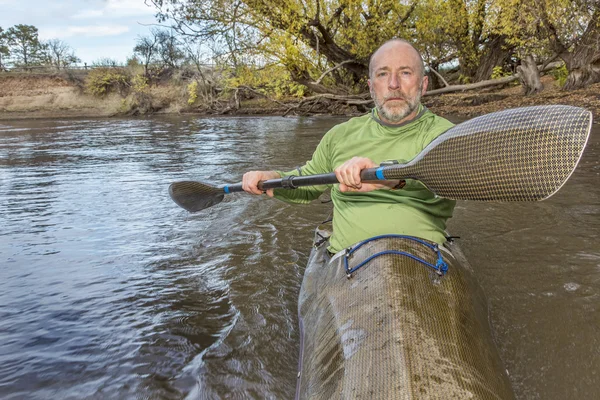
(396, 328)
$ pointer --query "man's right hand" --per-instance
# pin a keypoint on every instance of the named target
(250, 181)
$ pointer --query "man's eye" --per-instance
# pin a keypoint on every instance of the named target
(382, 74)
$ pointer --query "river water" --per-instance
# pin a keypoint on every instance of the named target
(109, 290)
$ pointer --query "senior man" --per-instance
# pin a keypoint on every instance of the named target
(397, 129)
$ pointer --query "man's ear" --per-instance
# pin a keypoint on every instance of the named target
(369, 83)
(425, 84)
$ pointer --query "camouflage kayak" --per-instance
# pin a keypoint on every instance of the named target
(399, 328)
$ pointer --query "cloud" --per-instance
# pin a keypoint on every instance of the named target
(117, 9)
(86, 31)
(85, 14)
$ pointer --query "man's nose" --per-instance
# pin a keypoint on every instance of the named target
(394, 82)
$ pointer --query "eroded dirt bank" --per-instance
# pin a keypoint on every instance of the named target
(58, 96)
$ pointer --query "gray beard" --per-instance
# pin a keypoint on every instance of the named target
(399, 115)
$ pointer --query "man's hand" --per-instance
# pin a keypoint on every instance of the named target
(250, 181)
(348, 174)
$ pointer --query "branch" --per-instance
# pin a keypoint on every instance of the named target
(318, 81)
(439, 76)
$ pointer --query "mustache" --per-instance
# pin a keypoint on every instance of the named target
(395, 95)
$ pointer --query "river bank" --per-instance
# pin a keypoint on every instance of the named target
(26, 96)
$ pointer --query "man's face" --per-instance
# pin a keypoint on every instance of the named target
(396, 84)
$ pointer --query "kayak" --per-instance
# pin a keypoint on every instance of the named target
(395, 317)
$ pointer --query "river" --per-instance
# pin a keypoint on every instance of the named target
(109, 290)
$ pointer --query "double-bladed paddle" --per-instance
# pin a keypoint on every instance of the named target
(523, 154)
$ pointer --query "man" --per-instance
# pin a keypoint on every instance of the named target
(397, 129)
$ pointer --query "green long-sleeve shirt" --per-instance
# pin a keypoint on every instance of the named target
(413, 210)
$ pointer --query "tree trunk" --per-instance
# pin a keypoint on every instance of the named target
(583, 76)
(333, 52)
(529, 75)
(496, 53)
(584, 62)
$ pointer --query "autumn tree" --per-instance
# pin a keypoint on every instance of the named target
(308, 37)
(572, 28)
(326, 44)
(25, 46)
(550, 29)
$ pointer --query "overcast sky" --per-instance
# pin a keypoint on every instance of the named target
(93, 28)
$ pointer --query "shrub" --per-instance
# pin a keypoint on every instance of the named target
(498, 72)
(102, 81)
(272, 81)
(560, 75)
(140, 83)
(192, 90)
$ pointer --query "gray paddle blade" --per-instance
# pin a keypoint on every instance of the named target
(524, 154)
(195, 196)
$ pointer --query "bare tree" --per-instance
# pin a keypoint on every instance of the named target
(59, 54)
(168, 49)
(147, 48)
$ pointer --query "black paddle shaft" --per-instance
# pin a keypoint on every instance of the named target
(294, 182)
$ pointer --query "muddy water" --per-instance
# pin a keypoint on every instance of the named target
(108, 290)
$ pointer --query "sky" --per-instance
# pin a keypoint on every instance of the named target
(94, 29)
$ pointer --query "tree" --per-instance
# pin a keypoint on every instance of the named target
(326, 44)
(573, 31)
(147, 48)
(4, 50)
(59, 54)
(24, 45)
(569, 29)
(168, 49)
(308, 38)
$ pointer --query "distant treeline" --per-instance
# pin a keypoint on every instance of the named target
(20, 47)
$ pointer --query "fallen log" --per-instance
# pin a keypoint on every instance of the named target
(487, 83)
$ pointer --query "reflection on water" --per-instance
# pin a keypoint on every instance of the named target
(108, 290)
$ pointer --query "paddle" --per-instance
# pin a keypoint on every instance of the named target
(523, 154)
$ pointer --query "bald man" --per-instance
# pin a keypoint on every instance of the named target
(397, 129)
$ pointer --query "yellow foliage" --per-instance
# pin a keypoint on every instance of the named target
(101, 81)
(192, 89)
(498, 72)
(560, 75)
(310, 37)
(272, 81)
(140, 83)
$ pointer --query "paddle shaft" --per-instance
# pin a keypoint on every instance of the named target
(293, 182)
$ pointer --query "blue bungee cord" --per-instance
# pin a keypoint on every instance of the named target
(440, 266)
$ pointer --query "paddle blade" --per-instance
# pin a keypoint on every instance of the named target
(195, 196)
(524, 154)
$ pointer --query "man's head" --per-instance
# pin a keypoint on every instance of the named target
(396, 80)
